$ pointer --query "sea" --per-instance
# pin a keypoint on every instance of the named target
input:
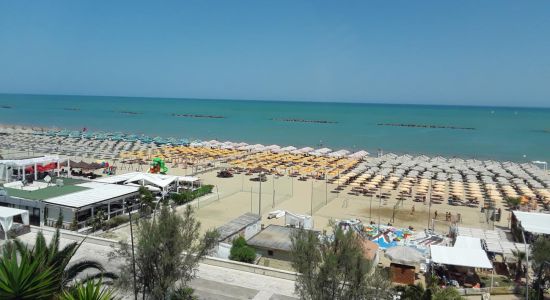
(497, 133)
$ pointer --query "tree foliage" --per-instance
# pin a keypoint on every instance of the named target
(187, 195)
(167, 252)
(240, 251)
(335, 267)
(59, 222)
(44, 264)
(146, 200)
(540, 251)
(418, 292)
(513, 202)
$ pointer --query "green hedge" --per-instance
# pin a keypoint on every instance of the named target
(187, 196)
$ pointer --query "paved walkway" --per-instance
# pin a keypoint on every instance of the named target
(211, 283)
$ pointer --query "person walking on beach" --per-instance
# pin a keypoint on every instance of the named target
(412, 210)
(435, 215)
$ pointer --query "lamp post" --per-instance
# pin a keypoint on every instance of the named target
(260, 195)
(429, 203)
(526, 261)
(132, 243)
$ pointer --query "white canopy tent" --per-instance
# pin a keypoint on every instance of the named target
(7, 214)
(21, 164)
(457, 256)
(534, 222)
(157, 181)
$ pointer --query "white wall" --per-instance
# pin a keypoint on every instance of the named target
(252, 230)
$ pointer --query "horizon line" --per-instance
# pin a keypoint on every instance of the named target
(277, 100)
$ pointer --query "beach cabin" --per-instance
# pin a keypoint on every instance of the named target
(273, 242)
(246, 225)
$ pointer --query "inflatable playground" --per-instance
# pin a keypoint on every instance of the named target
(387, 236)
(158, 166)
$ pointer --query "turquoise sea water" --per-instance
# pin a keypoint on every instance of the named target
(500, 133)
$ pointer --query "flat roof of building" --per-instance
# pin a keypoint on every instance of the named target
(237, 225)
(273, 237)
(69, 186)
(95, 193)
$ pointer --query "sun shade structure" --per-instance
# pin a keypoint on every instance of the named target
(534, 222)
(457, 256)
(468, 242)
(7, 214)
(404, 255)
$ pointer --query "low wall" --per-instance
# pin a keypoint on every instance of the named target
(235, 265)
(71, 235)
(224, 263)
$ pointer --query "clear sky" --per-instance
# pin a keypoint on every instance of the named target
(444, 52)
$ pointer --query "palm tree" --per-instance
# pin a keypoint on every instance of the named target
(146, 200)
(91, 290)
(513, 202)
(520, 257)
(50, 256)
(25, 279)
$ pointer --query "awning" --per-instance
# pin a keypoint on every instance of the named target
(456, 256)
(30, 161)
(534, 222)
(7, 214)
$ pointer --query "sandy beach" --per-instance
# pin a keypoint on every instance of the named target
(337, 188)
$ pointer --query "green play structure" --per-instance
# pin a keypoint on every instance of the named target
(158, 166)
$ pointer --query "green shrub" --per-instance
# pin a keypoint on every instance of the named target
(187, 196)
(240, 251)
(116, 221)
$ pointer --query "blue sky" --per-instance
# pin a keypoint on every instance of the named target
(443, 52)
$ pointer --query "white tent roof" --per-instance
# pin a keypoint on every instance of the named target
(468, 242)
(158, 181)
(456, 256)
(7, 214)
(534, 222)
(188, 179)
(97, 192)
(30, 161)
